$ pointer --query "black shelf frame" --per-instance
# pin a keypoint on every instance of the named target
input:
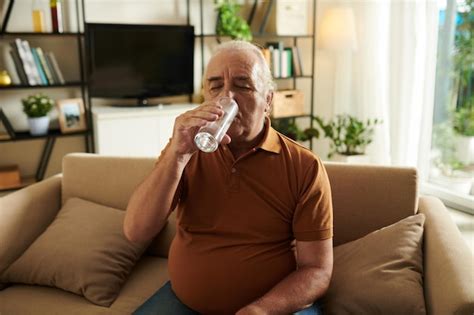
(42, 34)
(51, 86)
(263, 36)
(52, 135)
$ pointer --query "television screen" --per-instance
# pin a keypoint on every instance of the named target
(139, 61)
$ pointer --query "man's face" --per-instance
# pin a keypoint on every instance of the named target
(238, 74)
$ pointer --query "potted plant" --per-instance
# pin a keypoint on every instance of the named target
(229, 23)
(288, 127)
(447, 171)
(463, 125)
(348, 137)
(37, 107)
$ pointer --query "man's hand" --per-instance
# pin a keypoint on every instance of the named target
(187, 125)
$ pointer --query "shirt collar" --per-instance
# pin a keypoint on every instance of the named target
(271, 140)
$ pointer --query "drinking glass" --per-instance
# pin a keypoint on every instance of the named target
(208, 137)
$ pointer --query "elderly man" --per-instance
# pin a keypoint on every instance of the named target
(254, 231)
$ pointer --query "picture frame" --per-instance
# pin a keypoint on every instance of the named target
(71, 113)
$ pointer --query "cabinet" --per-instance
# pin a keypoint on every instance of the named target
(67, 39)
(134, 131)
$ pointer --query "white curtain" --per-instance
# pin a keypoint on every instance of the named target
(392, 76)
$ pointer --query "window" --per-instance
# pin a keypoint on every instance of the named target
(452, 151)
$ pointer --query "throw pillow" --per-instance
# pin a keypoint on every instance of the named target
(380, 273)
(83, 251)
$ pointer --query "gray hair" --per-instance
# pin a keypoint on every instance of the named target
(235, 45)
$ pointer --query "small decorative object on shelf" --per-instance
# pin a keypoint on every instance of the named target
(9, 176)
(37, 107)
(349, 136)
(72, 116)
(5, 79)
(38, 16)
(56, 16)
(229, 23)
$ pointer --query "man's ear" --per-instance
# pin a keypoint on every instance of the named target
(269, 100)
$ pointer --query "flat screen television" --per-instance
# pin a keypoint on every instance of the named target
(139, 61)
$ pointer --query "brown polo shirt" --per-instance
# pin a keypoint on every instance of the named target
(237, 220)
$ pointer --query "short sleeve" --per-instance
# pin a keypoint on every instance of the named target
(313, 217)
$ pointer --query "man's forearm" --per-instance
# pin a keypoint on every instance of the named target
(151, 201)
(297, 291)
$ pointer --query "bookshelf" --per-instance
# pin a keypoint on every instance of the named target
(80, 84)
(261, 37)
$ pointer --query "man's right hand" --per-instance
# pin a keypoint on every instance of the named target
(187, 125)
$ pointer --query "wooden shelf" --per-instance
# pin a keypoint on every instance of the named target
(291, 117)
(295, 77)
(32, 34)
(25, 135)
(52, 86)
(258, 36)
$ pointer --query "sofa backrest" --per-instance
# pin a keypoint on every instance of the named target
(106, 180)
(365, 198)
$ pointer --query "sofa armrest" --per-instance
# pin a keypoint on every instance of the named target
(448, 262)
(24, 215)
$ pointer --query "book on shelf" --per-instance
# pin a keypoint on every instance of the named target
(39, 67)
(44, 65)
(268, 56)
(8, 127)
(11, 68)
(33, 66)
(57, 70)
(276, 49)
(20, 71)
(18, 46)
(31, 60)
(298, 68)
(284, 62)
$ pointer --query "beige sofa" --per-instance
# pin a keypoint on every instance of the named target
(365, 199)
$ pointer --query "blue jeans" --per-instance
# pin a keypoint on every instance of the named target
(165, 302)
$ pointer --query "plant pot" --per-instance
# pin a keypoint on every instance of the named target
(460, 184)
(465, 149)
(351, 159)
(39, 125)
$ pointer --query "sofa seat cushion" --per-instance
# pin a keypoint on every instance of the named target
(146, 278)
(380, 273)
(83, 251)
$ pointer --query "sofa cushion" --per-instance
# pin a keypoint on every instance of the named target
(381, 273)
(83, 251)
(149, 274)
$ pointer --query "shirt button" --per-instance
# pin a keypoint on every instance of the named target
(233, 170)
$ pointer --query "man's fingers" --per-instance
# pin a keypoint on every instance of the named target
(226, 139)
(205, 115)
(217, 109)
(192, 122)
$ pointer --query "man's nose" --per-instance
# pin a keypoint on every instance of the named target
(228, 92)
